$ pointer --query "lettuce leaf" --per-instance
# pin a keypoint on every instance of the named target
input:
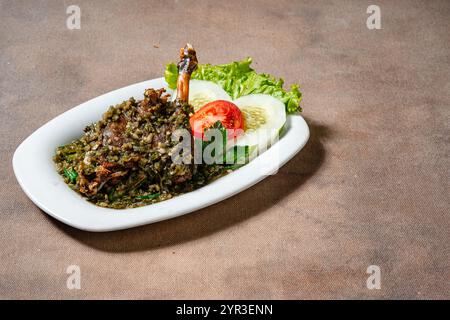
(239, 79)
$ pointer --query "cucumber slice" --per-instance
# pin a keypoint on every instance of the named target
(264, 117)
(201, 92)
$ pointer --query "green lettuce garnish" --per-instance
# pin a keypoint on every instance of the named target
(239, 79)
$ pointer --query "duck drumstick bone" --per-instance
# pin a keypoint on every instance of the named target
(188, 64)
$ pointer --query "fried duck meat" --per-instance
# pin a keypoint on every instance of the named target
(124, 159)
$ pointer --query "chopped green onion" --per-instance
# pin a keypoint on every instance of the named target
(111, 195)
(71, 174)
(148, 196)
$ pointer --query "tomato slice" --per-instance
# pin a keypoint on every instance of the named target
(220, 110)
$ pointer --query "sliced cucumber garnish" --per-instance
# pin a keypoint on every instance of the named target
(264, 117)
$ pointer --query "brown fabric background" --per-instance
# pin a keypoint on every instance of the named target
(370, 187)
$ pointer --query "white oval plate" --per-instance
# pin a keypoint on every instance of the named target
(35, 170)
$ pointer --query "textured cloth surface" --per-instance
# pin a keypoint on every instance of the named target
(371, 187)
